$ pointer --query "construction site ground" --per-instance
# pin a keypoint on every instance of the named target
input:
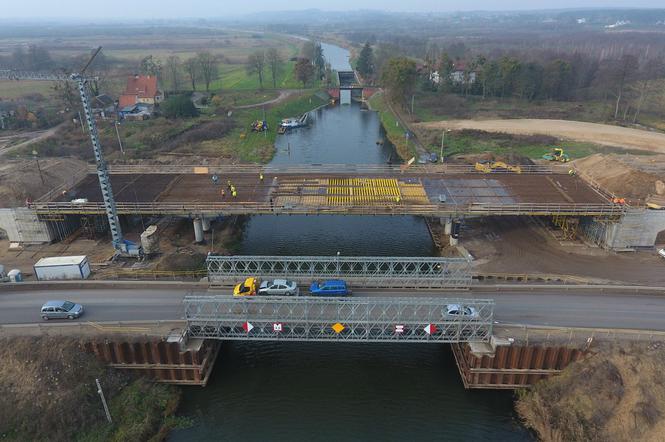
(524, 245)
(604, 134)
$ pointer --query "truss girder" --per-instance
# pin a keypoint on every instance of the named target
(383, 272)
(315, 319)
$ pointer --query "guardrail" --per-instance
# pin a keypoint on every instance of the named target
(262, 208)
(416, 169)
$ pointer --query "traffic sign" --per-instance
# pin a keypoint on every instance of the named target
(430, 329)
(277, 327)
(337, 328)
(399, 328)
(247, 326)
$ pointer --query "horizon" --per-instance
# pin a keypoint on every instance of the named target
(70, 11)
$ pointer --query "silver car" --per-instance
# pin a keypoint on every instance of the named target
(458, 310)
(61, 310)
(279, 287)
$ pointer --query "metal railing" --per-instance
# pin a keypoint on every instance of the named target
(336, 169)
(423, 320)
(264, 208)
(368, 271)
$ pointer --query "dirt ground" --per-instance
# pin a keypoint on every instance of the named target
(635, 177)
(20, 179)
(616, 136)
(520, 245)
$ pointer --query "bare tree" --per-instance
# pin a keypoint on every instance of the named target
(208, 66)
(274, 61)
(256, 63)
(653, 69)
(192, 69)
(173, 70)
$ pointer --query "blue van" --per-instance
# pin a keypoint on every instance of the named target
(331, 287)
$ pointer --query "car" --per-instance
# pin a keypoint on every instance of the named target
(661, 252)
(279, 287)
(246, 288)
(61, 310)
(331, 287)
(458, 311)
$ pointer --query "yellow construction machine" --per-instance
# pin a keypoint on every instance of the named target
(491, 166)
(557, 154)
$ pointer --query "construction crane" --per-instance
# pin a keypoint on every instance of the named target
(121, 246)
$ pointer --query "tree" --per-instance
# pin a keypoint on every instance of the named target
(192, 69)
(509, 68)
(207, 67)
(274, 61)
(365, 65)
(557, 79)
(319, 60)
(399, 77)
(445, 68)
(179, 106)
(173, 70)
(38, 58)
(65, 92)
(304, 71)
(652, 69)
(308, 50)
(150, 66)
(256, 63)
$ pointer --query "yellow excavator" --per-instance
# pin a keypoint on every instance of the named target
(557, 154)
(491, 166)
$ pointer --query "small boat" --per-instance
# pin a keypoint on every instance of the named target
(291, 123)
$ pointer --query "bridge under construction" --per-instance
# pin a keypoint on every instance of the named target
(432, 190)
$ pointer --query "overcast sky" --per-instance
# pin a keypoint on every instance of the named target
(149, 9)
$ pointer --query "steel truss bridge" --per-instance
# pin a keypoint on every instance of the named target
(358, 271)
(337, 319)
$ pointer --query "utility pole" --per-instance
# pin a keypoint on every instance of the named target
(118, 134)
(34, 153)
(101, 395)
(413, 99)
(443, 138)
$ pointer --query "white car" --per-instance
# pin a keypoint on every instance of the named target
(457, 310)
(661, 252)
(279, 287)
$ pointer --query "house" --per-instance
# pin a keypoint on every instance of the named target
(138, 111)
(104, 106)
(141, 89)
(459, 75)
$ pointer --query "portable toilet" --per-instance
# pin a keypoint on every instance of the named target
(15, 275)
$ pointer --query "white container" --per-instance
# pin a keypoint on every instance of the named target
(15, 275)
(62, 267)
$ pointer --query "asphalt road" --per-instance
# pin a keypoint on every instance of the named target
(551, 307)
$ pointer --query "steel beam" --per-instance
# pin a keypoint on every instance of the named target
(355, 319)
(363, 271)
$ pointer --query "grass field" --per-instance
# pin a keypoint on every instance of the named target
(11, 89)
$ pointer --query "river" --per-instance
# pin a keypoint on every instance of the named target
(336, 391)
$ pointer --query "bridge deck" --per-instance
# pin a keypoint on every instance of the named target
(375, 192)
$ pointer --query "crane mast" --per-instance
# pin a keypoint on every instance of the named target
(120, 245)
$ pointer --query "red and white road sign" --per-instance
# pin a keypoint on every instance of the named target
(247, 326)
(399, 328)
(277, 327)
(430, 329)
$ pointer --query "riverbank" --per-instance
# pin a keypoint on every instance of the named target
(49, 393)
(615, 394)
(394, 130)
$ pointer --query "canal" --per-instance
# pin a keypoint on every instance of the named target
(329, 391)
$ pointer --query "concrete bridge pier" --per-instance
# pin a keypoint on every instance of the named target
(198, 230)
(447, 225)
(205, 223)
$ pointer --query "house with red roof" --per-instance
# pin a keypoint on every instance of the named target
(140, 89)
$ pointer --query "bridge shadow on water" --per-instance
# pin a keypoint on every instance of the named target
(343, 391)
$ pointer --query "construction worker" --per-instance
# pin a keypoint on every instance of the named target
(571, 172)
(398, 199)
(223, 193)
(261, 176)
(228, 184)
(234, 193)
